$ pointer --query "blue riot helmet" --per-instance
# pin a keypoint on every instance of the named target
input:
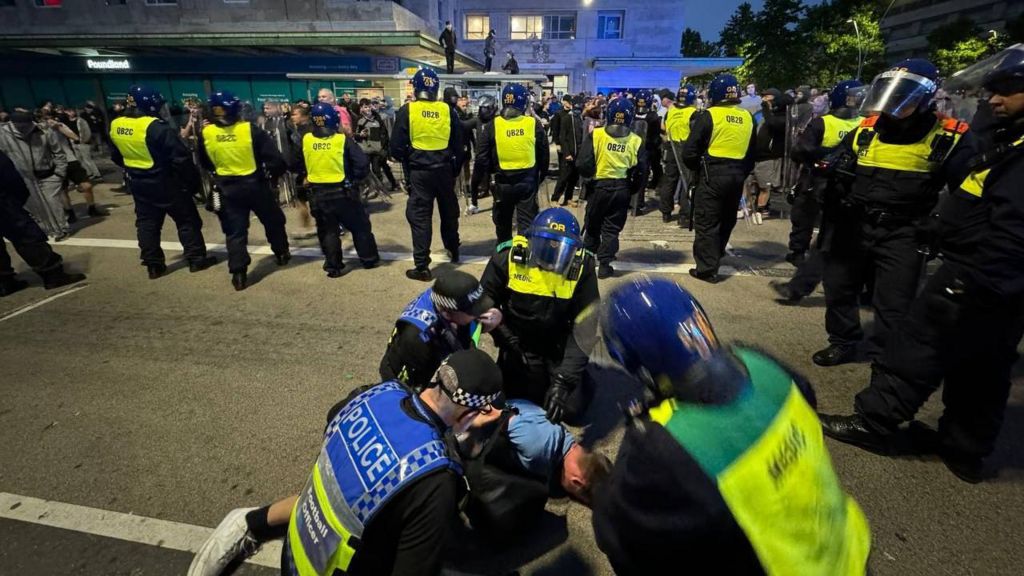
(687, 95)
(324, 119)
(225, 107)
(904, 89)
(1006, 73)
(515, 96)
(620, 112)
(724, 88)
(643, 100)
(554, 238)
(656, 329)
(145, 99)
(840, 96)
(425, 84)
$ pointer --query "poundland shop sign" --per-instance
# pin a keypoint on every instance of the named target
(108, 64)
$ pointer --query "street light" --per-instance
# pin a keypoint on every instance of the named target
(860, 49)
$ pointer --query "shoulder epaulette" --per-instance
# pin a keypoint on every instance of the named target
(503, 246)
(954, 125)
(870, 121)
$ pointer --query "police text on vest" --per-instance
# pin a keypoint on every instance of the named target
(368, 447)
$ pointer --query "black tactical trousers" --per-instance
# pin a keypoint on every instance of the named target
(153, 203)
(29, 242)
(516, 197)
(568, 177)
(334, 209)
(426, 187)
(239, 200)
(958, 336)
(670, 181)
(606, 215)
(716, 199)
(803, 217)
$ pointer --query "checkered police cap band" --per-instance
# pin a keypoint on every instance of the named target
(449, 382)
(462, 304)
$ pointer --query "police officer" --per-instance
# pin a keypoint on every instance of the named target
(162, 179)
(726, 471)
(905, 153)
(676, 180)
(720, 148)
(28, 239)
(616, 159)
(541, 282)
(445, 318)
(333, 163)
(963, 330)
(647, 125)
(427, 140)
(241, 156)
(514, 148)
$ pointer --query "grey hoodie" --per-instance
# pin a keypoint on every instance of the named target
(36, 154)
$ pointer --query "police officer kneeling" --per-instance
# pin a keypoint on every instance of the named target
(238, 153)
(727, 471)
(616, 159)
(333, 164)
(515, 149)
(162, 179)
(963, 330)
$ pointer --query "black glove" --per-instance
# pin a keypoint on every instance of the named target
(556, 401)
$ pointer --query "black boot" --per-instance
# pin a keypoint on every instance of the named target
(72, 218)
(156, 270)
(605, 271)
(57, 278)
(709, 277)
(787, 296)
(835, 355)
(421, 274)
(338, 272)
(9, 285)
(856, 430)
(202, 264)
(95, 211)
(666, 218)
(453, 255)
(239, 280)
(283, 259)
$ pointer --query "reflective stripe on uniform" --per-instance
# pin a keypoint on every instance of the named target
(430, 125)
(677, 123)
(129, 135)
(516, 141)
(537, 282)
(836, 129)
(615, 156)
(230, 149)
(324, 158)
(731, 131)
(913, 157)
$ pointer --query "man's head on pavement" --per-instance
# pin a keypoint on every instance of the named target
(459, 298)
(466, 384)
(583, 472)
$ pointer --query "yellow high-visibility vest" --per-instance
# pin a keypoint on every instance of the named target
(516, 141)
(324, 158)
(731, 132)
(230, 149)
(430, 125)
(615, 156)
(677, 123)
(129, 135)
(915, 157)
(836, 129)
(974, 184)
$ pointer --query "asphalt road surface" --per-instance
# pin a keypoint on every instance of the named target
(136, 413)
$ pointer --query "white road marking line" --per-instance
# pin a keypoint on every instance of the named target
(315, 253)
(29, 307)
(128, 527)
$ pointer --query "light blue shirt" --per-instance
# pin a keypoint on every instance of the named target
(540, 445)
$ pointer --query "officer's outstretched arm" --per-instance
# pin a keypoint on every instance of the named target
(400, 144)
(587, 163)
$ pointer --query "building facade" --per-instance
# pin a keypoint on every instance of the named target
(909, 22)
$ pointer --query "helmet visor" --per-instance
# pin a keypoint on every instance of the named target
(897, 93)
(551, 251)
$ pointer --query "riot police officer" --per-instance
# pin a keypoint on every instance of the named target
(515, 149)
(616, 159)
(241, 157)
(541, 282)
(726, 471)
(963, 330)
(676, 180)
(333, 163)
(161, 178)
(427, 140)
(905, 153)
(720, 148)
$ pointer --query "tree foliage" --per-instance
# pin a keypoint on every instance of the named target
(693, 46)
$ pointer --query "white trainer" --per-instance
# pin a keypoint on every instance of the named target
(470, 210)
(230, 540)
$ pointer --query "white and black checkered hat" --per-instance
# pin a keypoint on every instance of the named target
(470, 378)
(461, 292)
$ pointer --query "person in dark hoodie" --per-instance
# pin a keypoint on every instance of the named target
(771, 147)
(570, 142)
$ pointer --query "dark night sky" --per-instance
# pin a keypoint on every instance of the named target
(709, 16)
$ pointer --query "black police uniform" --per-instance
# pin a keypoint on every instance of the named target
(535, 337)
(875, 228)
(652, 143)
(334, 198)
(244, 194)
(608, 206)
(963, 330)
(675, 175)
(431, 175)
(515, 189)
(164, 188)
(722, 166)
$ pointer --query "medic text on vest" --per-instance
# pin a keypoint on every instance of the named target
(613, 147)
(321, 145)
(515, 132)
(371, 453)
(785, 455)
(431, 114)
